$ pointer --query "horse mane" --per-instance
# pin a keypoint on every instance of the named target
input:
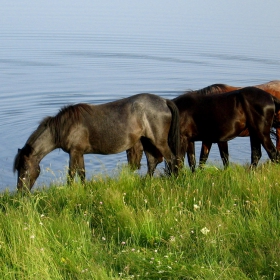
(212, 89)
(58, 125)
(209, 90)
(62, 122)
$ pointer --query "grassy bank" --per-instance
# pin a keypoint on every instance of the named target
(213, 224)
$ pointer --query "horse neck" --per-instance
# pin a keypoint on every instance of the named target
(42, 145)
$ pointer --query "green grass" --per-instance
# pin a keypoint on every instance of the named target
(213, 224)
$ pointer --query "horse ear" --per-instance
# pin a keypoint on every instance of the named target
(16, 160)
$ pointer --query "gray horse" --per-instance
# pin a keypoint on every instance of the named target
(102, 129)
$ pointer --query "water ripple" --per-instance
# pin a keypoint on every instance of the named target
(23, 63)
(40, 73)
(136, 56)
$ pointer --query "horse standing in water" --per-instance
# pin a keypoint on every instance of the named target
(219, 118)
(102, 129)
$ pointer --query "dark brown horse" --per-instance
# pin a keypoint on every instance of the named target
(272, 87)
(102, 129)
(217, 118)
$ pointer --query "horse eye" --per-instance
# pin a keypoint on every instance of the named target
(25, 166)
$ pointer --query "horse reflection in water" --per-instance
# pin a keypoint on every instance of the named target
(102, 129)
(210, 117)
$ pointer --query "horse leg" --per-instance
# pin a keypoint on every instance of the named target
(270, 149)
(223, 148)
(255, 150)
(191, 155)
(171, 162)
(159, 152)
(153, 155)
(152, 162)
(134, 155)
(278, 139)
(204, 153)
(76, 164)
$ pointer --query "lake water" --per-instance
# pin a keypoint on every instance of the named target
(43, 69)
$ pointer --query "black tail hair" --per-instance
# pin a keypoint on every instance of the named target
(174, 132)
(276, 119)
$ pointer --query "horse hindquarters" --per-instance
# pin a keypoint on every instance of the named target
(163, 138)
(160, 140)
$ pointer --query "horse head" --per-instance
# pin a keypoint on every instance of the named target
(27, 166)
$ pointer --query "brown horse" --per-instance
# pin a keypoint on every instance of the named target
(101, 129)
(273, 87)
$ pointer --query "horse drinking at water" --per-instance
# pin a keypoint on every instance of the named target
(222, 117)
(101, 129)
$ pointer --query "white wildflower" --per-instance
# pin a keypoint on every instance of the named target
(195, 207)
(204, 230)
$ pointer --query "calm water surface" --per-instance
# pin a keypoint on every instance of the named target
(41, 72)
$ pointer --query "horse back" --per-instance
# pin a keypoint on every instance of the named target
(272, 87)
(207, 117)
(257, 98)
(115, 126)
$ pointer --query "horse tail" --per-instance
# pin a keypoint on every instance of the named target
(274, 131)
(276, 119)
(174, 132)
(276, 103)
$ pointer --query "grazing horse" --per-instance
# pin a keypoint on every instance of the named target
(101, 129)
(218, 118)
